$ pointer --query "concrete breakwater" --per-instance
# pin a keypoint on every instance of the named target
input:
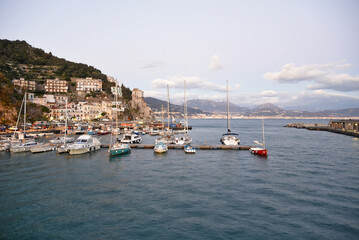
(321, 127)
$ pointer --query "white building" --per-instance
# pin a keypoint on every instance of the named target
(88, 85)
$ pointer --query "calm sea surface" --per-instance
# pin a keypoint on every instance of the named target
(307, 188)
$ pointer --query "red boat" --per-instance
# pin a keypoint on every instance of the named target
(260, 150)
(102, 132)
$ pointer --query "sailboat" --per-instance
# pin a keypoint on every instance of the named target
(118, 148)
(185, 139)
(24, 146)
(260, 150)
(167, 136)
(229, 138)
(64, 147)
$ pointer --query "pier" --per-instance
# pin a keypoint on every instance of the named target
(201, 147)
(322, 127)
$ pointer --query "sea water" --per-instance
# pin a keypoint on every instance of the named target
(307, 188)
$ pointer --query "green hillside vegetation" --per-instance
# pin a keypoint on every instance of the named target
(19, 59)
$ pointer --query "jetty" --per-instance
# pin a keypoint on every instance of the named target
(201, 147)
(346, 127)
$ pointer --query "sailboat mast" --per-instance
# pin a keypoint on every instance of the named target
(65, 122)
(24, 114)
(185, 109)
(228, 127)
(168, 108)
(264, 142)
(116, 110)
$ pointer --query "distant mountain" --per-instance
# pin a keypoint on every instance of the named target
(215, 107)
(156, 105)
(267, 110)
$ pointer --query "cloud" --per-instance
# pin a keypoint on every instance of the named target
(309, 100)
(322, 75)
(215, 65)
(191, 82)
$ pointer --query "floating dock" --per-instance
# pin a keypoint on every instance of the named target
(201, 147)
(321, 127)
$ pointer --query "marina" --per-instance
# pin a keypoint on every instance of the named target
(141, 194)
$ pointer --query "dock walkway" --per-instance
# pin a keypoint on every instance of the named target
(201, 147)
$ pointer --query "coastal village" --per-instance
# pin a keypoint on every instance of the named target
(84, 108)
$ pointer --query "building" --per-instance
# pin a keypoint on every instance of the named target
(119, 91)
(138, 102)
(25, 84)
(345, 125)
(87, 85)
(56, 85)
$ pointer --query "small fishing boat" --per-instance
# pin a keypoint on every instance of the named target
(189, 149)
(130, 138)
(260, 150)
(119, 149)
(160, 147)
(154, 132)
(84, 144)
(103, 132)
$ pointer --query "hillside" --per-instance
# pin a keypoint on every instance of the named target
(19, 59)
(156, 105)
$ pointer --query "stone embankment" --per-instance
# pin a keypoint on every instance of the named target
(321, 127)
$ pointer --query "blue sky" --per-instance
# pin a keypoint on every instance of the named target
(296, 54)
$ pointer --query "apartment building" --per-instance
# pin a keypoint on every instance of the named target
(88, 84)
(56, 85)
(25, 84)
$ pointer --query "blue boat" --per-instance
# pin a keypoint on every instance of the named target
(119, 149)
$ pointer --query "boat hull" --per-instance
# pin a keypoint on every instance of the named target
(259, 151)
(116, 152)
(76, 151)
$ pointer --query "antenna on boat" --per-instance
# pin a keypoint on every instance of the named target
(168, 108)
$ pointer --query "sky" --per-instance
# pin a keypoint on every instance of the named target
(296, 54)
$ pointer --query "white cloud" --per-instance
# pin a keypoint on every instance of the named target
(215, 63)
(191, 82)
(294, 100)
(323, 76)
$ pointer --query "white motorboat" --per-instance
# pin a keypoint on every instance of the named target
(63, 148)
(229, 138)
(189, 149)
(160, 147)
(23, 147)
(60, 140)
(84, 144)
(184, 140)
(42, 148)
(154, 132)
(131, 138)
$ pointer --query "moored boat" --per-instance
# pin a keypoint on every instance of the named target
(119, 149)
(260, 150)
(229, 138)
(189, 149)
(160, 147)
(42, 148)
(130, 138)
(84, 144)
